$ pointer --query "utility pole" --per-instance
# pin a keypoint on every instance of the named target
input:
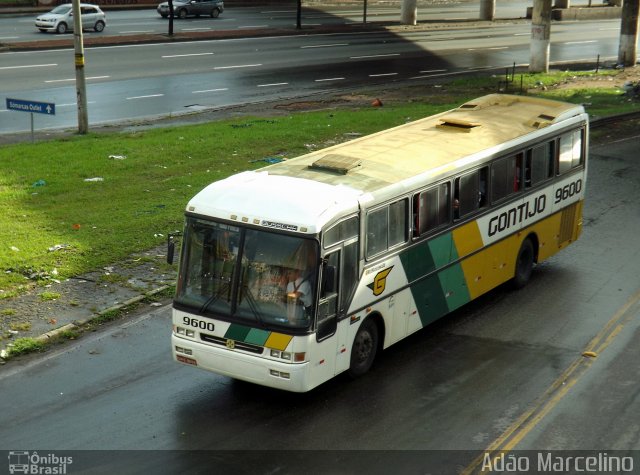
(628, 33)
(487, 10)
(540, 36)
(81, 85)
(299, 15)
(409, 12)
(170, 17)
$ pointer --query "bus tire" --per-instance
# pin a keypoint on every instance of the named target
(363, 351)
(524, 264)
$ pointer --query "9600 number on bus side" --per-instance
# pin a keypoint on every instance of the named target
(200, 324)
(568, 190)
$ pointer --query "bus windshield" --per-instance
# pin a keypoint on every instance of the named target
(247, 275)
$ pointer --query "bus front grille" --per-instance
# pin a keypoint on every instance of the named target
(238, 345)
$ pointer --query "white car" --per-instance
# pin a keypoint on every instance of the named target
(60, 19)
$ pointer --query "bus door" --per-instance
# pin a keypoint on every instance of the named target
(339, 280)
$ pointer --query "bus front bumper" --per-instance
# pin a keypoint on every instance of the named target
(254, 369)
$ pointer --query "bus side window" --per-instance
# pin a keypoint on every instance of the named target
(387, 227)
(470, 193)
(506, 176)
(431, 209)
(539, 164)
(570, 151)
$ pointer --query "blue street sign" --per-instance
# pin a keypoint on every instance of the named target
(31, 106)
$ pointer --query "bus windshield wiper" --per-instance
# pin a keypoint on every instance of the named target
(225, 287)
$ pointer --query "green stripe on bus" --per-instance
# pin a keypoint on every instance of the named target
(425, 257)
(430, 300)
(237, 332)
(455, 286)
(445, 290)
(257, 336)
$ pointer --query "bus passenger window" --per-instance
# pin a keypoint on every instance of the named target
(470, 193)
(539, 164)
(377, 224)
(570, 155)
(506, 176)
(397, 222)
(431, 209)
(387, 227)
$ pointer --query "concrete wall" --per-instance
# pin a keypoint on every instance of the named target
(600, 12)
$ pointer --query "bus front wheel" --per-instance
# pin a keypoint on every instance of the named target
(524, 264)
(365, 346)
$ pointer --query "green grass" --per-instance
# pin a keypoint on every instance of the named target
(22, 346)
(54, 224)
(70, 225)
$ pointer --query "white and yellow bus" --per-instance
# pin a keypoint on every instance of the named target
(297, 272)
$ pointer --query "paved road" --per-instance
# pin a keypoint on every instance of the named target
(505, 372)
(19, 28)
(143, 81)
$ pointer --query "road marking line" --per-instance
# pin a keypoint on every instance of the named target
(514, 434)
(211, 90)
(580, 42)
(73, 79)
(73, 104)
(145, 97)
(238, 66)
(253, 26)
(382, 74)
(134, 31)
(324, 46)
(196, 29)
(328, 79)
(29, 66)
(185, 55)
(375, 56)
(273, 84)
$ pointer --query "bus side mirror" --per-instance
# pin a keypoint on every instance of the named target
(171, 247)
(329, 280)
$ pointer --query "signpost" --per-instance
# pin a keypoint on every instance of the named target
(47, 108)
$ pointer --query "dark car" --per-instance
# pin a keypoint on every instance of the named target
(185, 8)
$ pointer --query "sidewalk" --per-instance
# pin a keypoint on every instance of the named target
(61, 308)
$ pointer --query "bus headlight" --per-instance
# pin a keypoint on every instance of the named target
(288, 356)
(185, 331)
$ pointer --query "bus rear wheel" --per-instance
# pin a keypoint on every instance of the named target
(365, 346)
(524, 264)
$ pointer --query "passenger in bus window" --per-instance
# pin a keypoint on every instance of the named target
(301, 282)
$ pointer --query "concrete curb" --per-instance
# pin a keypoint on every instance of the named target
(78, 324)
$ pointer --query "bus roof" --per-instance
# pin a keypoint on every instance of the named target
(405, 155)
